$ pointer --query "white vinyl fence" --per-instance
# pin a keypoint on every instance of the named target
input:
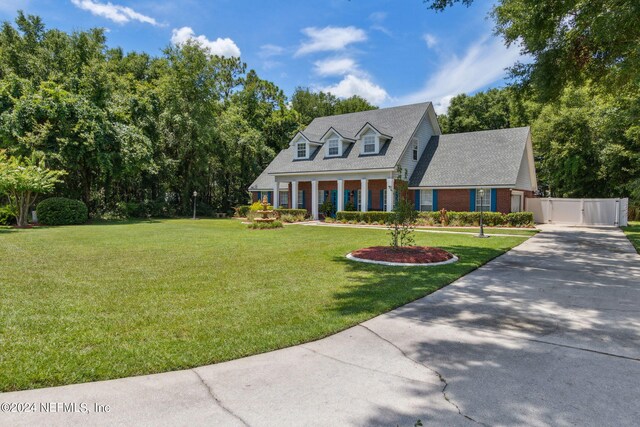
(579, 211)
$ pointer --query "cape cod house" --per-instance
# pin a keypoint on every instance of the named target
(354, 158)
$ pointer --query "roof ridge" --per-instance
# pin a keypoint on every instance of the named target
(484, 131)
(426, 103)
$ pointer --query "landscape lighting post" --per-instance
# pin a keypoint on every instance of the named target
(195, 194)
(481, 193)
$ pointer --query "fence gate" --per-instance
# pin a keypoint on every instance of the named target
(579, 211)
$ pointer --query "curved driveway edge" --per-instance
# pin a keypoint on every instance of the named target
(547, 334)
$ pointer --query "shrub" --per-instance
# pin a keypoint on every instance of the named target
(519, 219)
(291, 218)
(259, 225)
(62, 211)
(257, 206)
(367, 217)
(327, 209)
(294, 212)
(243, 210)
(329, 220)
(7, 215)
(350, 206)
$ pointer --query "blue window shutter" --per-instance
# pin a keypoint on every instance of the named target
(356, 199)
(346, 198)
(334, 198)
(435, 200)
(472, 200)
(494, 199)
(369, 200)
(269, 196)
(259, 196)
(382, 199)
(417, 197)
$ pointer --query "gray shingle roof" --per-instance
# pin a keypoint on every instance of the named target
(397, 122)
(265, 182)
(482, 159)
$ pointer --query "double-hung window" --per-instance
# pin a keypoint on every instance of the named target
(300, 199)
(483, 201)
(426, 200)
(370, 144)
(302, 150)
(334, 146)
(284, 199)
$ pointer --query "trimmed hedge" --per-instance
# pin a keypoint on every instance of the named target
(62, 211)
(490, 219)
(368, 217)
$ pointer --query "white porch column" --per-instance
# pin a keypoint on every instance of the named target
(364, 195)
(314, 199)
(390, 183)
(294, 194)
(276, 195)
(340, 206)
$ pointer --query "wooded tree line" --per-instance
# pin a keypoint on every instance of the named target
(136, 128)
(580, 93)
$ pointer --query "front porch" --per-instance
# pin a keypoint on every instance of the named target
(364, 194)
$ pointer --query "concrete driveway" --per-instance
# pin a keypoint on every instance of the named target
(547, 334)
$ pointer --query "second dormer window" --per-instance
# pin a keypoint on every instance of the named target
(302, 150)
(370, 144)
(334, 147)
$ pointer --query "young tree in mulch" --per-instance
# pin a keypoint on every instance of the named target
(403, 220)
(22, 180)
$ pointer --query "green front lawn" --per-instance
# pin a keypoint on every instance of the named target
(633, 233)
(112, 300)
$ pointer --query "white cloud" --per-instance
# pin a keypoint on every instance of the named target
(358, 85)
(377, 18)
(330, 39)
(269, 50)
(335, 66)
(430, 40)
(483, 63)
(114, 12)
(221, 47)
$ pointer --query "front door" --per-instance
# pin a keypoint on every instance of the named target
(516, 202)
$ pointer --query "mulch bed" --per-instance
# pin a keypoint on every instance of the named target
(406, 254)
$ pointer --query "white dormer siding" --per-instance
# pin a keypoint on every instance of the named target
(370, 142)
(422, 135)
(333, 145)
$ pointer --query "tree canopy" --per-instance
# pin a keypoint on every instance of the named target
(132, 128)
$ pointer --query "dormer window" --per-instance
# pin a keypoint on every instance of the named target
(369, 144)
(301, 148)
(334, 146)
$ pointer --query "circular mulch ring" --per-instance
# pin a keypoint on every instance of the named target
(421, 256)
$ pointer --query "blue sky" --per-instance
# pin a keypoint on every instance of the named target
(391, 52)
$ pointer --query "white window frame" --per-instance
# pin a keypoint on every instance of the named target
(414, 149)
(285, 193)
(306, 149)
(300, 200)
(424, 196)
(369, 140)
(486, 200)
(322, 196)
(333, 142)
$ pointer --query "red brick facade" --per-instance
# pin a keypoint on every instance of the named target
(450, 199)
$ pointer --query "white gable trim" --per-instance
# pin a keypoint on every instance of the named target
(368, 126)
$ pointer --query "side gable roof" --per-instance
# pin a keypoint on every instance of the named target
(399, 123)
(474, 159)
